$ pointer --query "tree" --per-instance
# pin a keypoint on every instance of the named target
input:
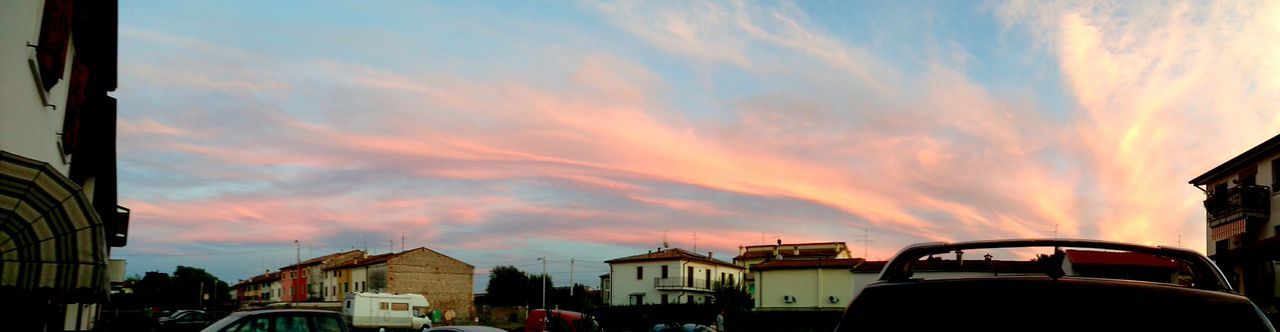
(507, 286)
(735, 302)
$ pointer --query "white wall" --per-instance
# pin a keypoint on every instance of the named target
(27, 127)
(810, 288)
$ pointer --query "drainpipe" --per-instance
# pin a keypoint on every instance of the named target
(817, 299)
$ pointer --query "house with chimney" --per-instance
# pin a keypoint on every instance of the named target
(302, 282)
(1241, 224)
(668, 275)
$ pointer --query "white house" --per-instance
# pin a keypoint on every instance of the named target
(666, 276)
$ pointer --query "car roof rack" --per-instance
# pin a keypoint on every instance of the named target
(1206, 275)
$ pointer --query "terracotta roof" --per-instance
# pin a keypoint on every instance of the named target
(796, 244)
(375, 259)
(974, 265)
(787, 250)
(1119, 258)
(1252, 156)
(318, 260)
(870, 266)
(670, 254)
(847, 263)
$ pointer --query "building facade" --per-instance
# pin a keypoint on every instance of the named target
(304, 281)
(445, 282)
(749, 256)
(59, 216)
(666, 276)
(804, 285)
(1241, 224)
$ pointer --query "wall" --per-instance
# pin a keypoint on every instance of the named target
(27, 127)
(446, 282)
(359, 283)
(810, 288)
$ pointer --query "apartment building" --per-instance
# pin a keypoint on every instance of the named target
(666, 276)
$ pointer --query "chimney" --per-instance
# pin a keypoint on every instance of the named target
(795, 250)
(709, 254)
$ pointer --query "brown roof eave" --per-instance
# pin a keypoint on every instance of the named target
(1267, 148)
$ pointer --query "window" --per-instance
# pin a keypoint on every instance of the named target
(420, 312)
(400, 307)
(1275, 175)
(664, 297)
(721, 276)
(383, 305)
(639, 272)
(328, 323)
(730, 279)
(690, 299)
(664, 275)
(291, 323)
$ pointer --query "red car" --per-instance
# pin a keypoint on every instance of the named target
(538, 318)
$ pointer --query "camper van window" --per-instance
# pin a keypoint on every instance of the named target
(400, 306)
(420, 312)
(382, 306)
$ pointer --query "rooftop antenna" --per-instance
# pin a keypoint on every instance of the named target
(695, 241)
(401, 241)
(763, 238)
(865, 239)
(665, 244)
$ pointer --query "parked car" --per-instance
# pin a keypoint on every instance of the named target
(184, 320)
(280, 320)
(538, 319)
(464, 328)
(1048, 297)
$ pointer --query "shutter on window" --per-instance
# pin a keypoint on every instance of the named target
(55, 34)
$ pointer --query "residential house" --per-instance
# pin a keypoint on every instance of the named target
(749, 256)
(258, 289)
(804, 284)
(445, 282)
(666, 276)
(58, 188)
(1241, 223)
(302, 282)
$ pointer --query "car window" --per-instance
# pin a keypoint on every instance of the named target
(253, 324)
(328, 323)
(291, 323)
(420, 312)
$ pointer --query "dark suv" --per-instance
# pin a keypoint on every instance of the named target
(1080, 285)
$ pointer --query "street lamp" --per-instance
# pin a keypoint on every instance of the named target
(544, 282)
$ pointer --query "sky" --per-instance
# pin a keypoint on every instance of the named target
(500, 132)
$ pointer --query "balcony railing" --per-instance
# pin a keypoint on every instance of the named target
(1238, 202)
(683, 284)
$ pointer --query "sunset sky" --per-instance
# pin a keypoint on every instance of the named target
(499, 132)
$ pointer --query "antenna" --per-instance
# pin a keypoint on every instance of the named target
(665, 244)
(695, 242)
(763, 238)
(864, 239)
(402, 241)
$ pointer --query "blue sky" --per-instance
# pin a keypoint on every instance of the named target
(500, 132)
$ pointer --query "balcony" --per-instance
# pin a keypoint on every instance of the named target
(1238, 203)
(683, 284)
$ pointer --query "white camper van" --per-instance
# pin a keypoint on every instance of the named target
(384, 312)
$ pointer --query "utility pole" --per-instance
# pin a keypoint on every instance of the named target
(401, 241)
(297, 270)
(571, 284)
(200, 297)
(544, 282)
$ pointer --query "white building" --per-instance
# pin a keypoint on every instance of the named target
(58, 162)
(749, 256)
(1241, 224)
(804, 284)
(666, 276)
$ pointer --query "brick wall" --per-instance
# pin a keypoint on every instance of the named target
(446, 282)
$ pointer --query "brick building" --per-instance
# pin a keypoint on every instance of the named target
(445, 281)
